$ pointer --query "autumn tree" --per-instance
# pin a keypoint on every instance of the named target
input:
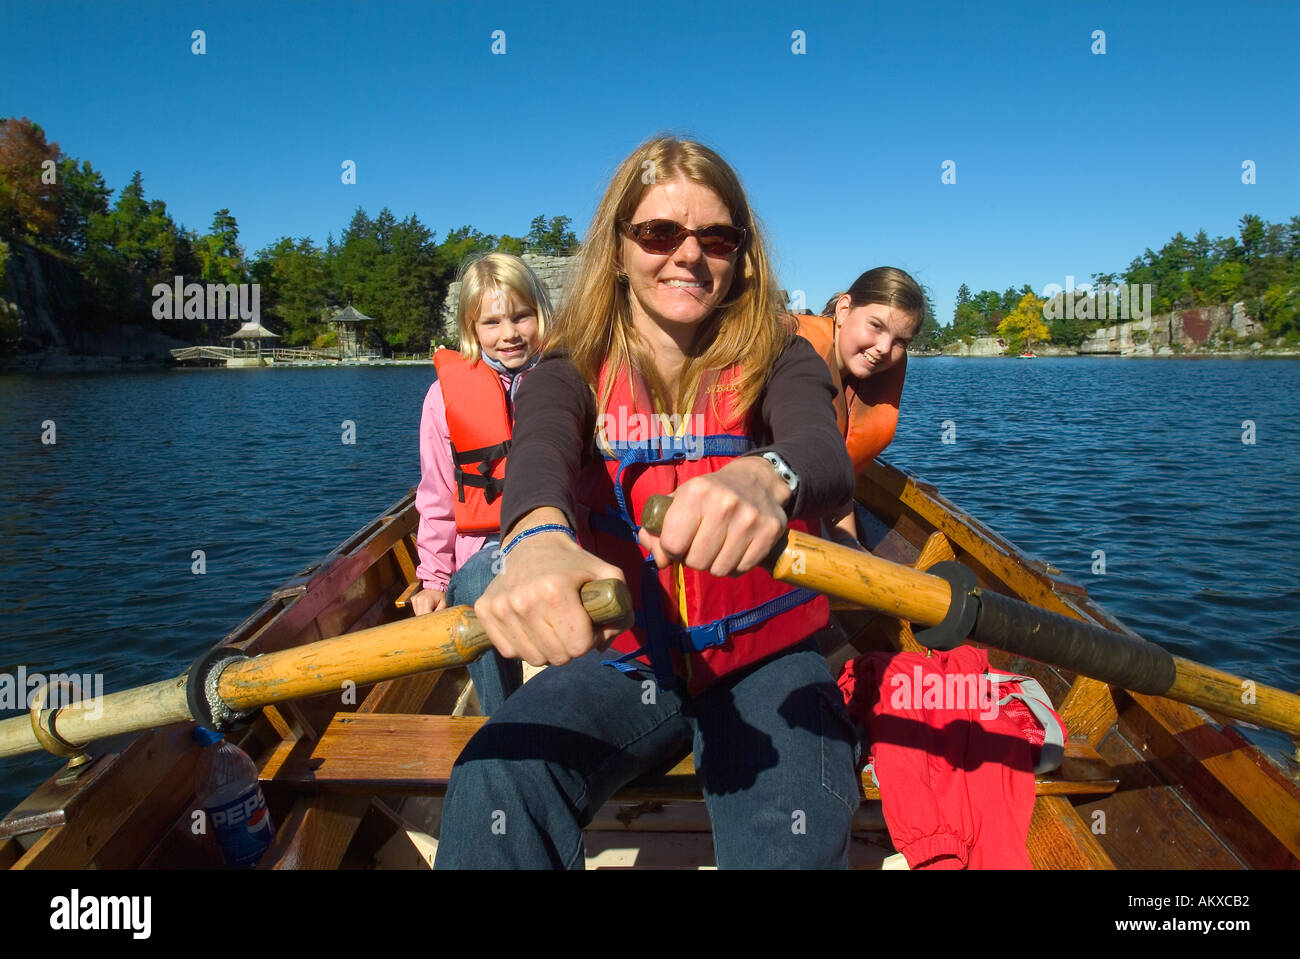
(1024, 326)
(29, 188)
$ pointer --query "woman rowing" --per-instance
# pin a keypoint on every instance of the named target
(671, 373)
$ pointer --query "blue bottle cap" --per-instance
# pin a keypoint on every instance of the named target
(206, 737)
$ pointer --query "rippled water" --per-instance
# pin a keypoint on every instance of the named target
(1141, 459)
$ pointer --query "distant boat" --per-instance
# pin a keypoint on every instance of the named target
(1029, 355)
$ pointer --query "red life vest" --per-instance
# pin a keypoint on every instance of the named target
(729, 622)
(866, 410)
(479, 425)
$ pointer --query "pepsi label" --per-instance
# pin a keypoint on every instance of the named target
(241, 824)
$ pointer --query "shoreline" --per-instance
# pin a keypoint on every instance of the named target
(1198, 355)
(62, 363)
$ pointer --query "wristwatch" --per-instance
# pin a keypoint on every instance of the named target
(783, 470)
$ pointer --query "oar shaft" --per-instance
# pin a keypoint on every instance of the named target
(1129, 662)
(360, 658)
(127, 711)
(1017, 627)
(383, 652)
(1235, 696)
(451, 637)
(860, 578)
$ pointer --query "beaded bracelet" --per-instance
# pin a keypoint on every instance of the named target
(544, 528)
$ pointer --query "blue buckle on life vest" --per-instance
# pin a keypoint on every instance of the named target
(664, 448)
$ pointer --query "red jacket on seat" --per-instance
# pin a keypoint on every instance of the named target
(954, 753)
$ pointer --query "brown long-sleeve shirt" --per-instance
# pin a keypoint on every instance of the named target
(555, 428)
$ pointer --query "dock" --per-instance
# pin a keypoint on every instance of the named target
(236, 357)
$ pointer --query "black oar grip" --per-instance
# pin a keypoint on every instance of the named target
(1127, 661)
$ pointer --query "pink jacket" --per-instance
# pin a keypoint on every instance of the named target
(442, 550)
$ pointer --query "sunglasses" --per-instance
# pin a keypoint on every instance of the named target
(662, 237)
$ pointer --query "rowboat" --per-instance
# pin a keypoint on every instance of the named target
(354, 778)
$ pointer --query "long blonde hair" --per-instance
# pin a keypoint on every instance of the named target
(595, 323)
(503, 273)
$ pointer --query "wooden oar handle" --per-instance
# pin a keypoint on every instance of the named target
(656, 508)
(605, 600)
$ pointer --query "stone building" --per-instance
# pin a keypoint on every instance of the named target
(551, 270)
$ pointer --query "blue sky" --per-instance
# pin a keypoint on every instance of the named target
(1067, 162)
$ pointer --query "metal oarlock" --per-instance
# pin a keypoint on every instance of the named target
(201, 690)
(43, 730)
(959, 621)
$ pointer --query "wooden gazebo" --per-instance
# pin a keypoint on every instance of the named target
(250, 336)
(346, 321)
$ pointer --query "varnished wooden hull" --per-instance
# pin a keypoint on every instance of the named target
(1148, 783)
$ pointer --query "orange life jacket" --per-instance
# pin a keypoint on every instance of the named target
(478, 422)
(688, 622)
(866, 410)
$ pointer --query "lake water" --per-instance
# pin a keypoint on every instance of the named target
(1141, 459)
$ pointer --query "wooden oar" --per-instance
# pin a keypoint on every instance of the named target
(451, 637)
(1012, 625)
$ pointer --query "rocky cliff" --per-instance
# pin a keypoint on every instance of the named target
(1183, 331)
(553, 271)
(1207, 329)
(58, 324)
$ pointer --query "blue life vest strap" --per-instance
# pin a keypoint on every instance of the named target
(661, 635)
(668, 449)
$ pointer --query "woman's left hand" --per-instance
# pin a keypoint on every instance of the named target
(725, 522)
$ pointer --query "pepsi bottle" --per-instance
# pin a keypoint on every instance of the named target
(232, 801)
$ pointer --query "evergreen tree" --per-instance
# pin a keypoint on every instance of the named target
(220, 256)
(294, 289)
(83, 195)
(553, 236)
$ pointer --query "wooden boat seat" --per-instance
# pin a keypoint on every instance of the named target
(389, 753)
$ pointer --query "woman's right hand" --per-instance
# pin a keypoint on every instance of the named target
(533, 610)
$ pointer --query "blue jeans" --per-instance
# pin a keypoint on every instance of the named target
(775, 751)
(494, 676)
